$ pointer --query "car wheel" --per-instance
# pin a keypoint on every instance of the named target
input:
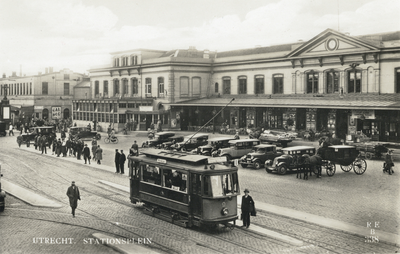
(243, 165)
(282, 169)
(257, 165)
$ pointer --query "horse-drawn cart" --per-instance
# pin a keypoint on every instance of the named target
(371, 150)
(348, 157)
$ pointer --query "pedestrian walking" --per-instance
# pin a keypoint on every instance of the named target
(73, 195)
(99, 154)
(64, 147)
(11, 130)
(43, 144)
(116, 160)
(94, 147)
(69, 146)
(122, 160)
(58, 147)
(247, 208)
(79, 148)
(54, 146)
(86, 153)
(387, 166)
(19, 139)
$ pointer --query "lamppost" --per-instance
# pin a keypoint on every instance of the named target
(5, 106)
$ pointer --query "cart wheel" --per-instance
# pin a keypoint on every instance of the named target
(368, 156)
(359, 166)
(282, 169)
(346, 168)
(330, 168)
(106, 140)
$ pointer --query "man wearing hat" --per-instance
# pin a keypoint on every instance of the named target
(116, 160)
(122, 160)
(247, 208)
(86, 153)
(73, 195)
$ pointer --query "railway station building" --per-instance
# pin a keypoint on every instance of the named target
(334, 82)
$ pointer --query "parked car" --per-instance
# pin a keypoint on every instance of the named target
(158, 139)
(289, 160)
(259, 155)
(48, 131)
(192, 142)
(213, 145)
(237, 148)
(172, 141)
(278, 137)
(83, 133)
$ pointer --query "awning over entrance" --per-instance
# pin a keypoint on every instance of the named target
(334, 101)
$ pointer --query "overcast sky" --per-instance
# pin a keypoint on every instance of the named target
(80, 34)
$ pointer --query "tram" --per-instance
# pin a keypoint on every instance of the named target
(185, 189)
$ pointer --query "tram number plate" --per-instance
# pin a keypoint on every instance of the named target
(162, 161)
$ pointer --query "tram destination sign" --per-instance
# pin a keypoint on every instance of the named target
(215, 160)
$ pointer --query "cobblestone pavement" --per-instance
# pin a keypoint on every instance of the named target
(345, 196)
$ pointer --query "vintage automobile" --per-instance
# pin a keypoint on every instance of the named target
(172, 141)
(3, 126)
(158, 139)
(83, 133)
(237, 148)
(213, 145)
(191, 142)
(259, 155)
(278, 137)
(291, 159)
(48, 131)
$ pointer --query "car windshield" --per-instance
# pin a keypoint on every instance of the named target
(260, 150)
(222, 185)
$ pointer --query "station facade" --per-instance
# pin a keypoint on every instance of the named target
(332, 82)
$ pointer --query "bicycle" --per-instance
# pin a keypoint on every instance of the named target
(113, 140)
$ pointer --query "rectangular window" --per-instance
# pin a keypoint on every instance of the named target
(135, 89)
(124, 86)
(259, 85)
(151, 174)
(354, 82)
(196, 86)
(148, 86)
(161, 87)
(66, 88)
(242, 85)
(227, 86)
(96, 88)
(122, 118)
(398, 81)
(278, 84)
(216, 87)
(184, 84)
(45, 88)
(66, 76)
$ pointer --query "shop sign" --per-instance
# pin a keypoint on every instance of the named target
(39, 107)
(56, 112)
(363, 114)
(145, 108)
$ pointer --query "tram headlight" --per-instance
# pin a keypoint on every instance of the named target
(224, 211)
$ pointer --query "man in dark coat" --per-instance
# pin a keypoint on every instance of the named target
(116, 160)
(247, 207)
(58, 147)
(43, 144)
(79, 148)
(122, 160)
(134, 149)
(86, 154)
(73, 195)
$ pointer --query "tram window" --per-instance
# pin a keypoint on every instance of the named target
(196, 184)
(175, 180)
(151, 174)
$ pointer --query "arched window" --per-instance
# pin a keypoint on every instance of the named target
(259, 84)
(116, 87)
(354, 81)
(96, 88)
(161, 89)
(124, 86)
(312, 82)
(196, 86)
(135, 87)
(105, 88)
(226, 85)
(332, 81)
(184, 86)
(277, 80)
(242, 88)
(66, 113)
(216, 87)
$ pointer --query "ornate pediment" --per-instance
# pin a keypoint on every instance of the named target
(331, 42)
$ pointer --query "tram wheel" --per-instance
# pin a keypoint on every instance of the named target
(359, 166)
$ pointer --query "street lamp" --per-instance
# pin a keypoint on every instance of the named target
(5, 105)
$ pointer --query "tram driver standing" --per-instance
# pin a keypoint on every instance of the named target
(247, 207)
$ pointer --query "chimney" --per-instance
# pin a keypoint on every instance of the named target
(47, 70)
